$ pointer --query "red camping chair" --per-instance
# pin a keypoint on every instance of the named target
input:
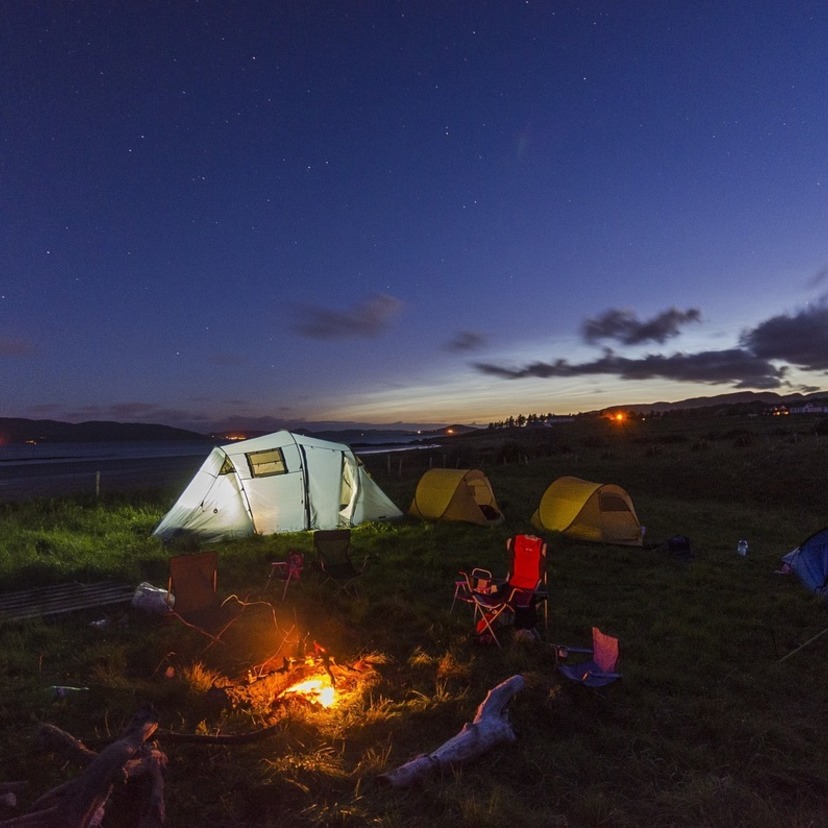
(519, 595)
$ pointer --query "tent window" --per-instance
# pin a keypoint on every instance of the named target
(226, 467)
(612, 503)
(266, 463)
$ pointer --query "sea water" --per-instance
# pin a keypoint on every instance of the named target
(52, 452)
(47, 469)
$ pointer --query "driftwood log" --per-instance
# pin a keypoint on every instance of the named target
(489, 728)
(80, 803)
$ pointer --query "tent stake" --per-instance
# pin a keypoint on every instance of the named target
(802, 646)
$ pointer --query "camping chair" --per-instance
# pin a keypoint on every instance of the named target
(519, 595)
(333, 550)
(193, 580)
(601, 669)
(477, 581)
(287, 571)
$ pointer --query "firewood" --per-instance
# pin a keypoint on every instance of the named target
(80, 802)
(489, 728)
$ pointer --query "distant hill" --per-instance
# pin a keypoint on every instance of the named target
(723, 400)
(21, 430)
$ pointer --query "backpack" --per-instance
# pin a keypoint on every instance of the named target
(678, 545)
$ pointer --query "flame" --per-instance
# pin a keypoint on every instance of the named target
(316, 689)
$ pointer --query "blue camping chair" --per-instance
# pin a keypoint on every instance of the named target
(601, 669)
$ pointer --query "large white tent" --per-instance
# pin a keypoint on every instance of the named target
(281, 482)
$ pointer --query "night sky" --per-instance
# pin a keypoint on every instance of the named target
(274, 214)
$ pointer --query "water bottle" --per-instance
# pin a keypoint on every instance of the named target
(742, 547)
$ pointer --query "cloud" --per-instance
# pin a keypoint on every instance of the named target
(624, 327)
(819, 277)
(15, 348)
(801, 339)
(736, 366)
(466, 341)
(763, 358)
(368, 319)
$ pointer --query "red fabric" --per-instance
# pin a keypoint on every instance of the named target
(527, 562)
(604, 650)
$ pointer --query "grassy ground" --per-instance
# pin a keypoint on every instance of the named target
(707, 726)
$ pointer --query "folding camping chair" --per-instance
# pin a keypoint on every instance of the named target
(519, 595)
(601, 669)
(479, 580)
(287, 571)
(193, 581)
(333, 551)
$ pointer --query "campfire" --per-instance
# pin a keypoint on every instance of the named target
(312, 680)
(317, 690)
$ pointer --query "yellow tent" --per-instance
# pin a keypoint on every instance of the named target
(600, 512)
(456, 494)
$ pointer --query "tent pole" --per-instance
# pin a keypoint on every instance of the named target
(802, 646)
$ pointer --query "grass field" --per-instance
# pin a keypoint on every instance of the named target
(707, 727)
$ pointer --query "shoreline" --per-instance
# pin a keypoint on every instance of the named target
(67, 476)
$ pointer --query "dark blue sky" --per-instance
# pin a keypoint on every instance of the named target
(295, 213)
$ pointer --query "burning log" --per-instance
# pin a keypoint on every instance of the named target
(489, 728)
(81, 802)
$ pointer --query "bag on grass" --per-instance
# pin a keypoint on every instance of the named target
(152, 600)
(678, 545)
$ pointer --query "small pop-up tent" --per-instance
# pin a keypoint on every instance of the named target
(600, 512)
(280, 482)
(810, 563)
(456, 494)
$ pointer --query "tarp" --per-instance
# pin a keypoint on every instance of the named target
(456, 494)
(281, 482)
(599, 512)
(809, 561)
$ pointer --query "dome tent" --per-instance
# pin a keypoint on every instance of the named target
(280, 482)
(599, 512)
(456, 494)
(810, 563)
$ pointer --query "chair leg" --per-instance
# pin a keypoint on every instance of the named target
(487, 618)
(458, 586)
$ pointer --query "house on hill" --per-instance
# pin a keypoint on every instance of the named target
(810, 408)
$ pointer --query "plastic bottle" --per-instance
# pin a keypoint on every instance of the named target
(742, 547)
